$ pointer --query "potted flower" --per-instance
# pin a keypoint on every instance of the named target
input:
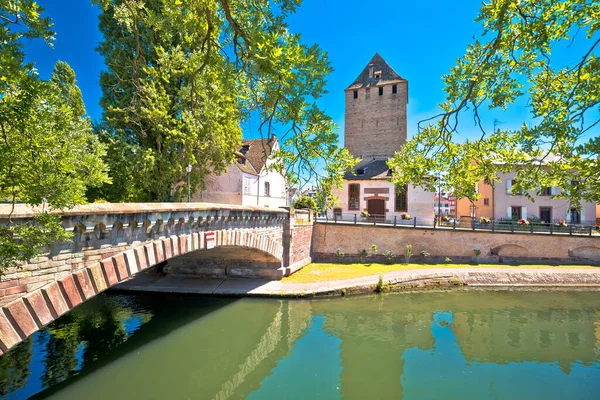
(562, 223)
(484, 220)
(597, 227)
(523, 221)
(405, 216)
(365, 214)
(445, 218)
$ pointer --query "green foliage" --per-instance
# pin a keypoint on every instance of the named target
(407, 253)
(183, 77)
(448, 260)
(48, 151)
(362, 255)
(373, 249)
(510, 60)
(380, 287)
(306, 202)
(389, 256)
(425, 254)
(340, 255)
(477, 252)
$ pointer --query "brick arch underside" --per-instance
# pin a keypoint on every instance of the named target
(26, 315)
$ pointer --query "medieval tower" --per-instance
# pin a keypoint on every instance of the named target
(375, 124)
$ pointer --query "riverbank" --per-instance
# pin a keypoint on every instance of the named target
(421, 279)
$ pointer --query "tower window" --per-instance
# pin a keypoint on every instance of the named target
(381, 91)
(394, 89)
(356, 94)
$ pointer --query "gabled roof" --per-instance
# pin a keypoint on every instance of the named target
(371, 169)
(378, 66)
(256, 152)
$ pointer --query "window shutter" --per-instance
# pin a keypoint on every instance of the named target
(553, 190)
(509, 212)
(582, 215)
(568, 217)
(508, 185)
(524, 212)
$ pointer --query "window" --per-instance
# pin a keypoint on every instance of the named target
(337, 212)
(486, 202)
(368, 93)
(516, 213)
(401, 199)
(509, 184)
(546, 214)
(354, 196)
(356, 94)
(381, 90)
(394, 89)
(547, 191)
(377, 75)
(267, 189)
(247, 185)
(486, 181)
(575, 216)
(360, 171)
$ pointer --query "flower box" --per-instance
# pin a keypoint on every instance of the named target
(523, 222)
(562, 223)
(484, 220)
(405, 216)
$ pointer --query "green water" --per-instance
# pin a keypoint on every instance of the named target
(445, 345)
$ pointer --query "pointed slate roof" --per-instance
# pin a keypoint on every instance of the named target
(379, 65)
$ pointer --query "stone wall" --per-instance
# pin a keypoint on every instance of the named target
(460, 245)
(376, 125)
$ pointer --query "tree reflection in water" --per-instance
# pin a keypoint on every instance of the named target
(14, 368)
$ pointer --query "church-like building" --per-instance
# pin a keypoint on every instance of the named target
(375, 128)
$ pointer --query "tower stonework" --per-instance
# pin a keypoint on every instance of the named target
(375, 122)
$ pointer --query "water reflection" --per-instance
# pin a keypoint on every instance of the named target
(460, 345)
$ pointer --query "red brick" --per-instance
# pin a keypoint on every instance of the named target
(16, 289)
(183, 244)
(71, 292)
(54, 296)
(7, 284)
(107, 255)
(97, 277)
(85, 284)
(109, 272)
(120, 266)
(140, 256)
(159, 254)
(21, 317)
(175, 245)
(40, 308)
(167, 248)
(8, 336)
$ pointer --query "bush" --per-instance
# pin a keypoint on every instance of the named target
(362, 256)
(389, 256)
(425, 254)
(407, 253)
(379, 288)
(306, 203)
(448, 260)
(340, 255)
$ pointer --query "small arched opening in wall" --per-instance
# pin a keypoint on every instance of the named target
(591, 253)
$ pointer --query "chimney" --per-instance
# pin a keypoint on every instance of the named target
(371, 67)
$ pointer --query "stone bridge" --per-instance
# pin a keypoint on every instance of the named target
(113, 242)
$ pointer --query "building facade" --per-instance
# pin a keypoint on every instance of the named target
(375, 128)
(500, 203)
(248, 181)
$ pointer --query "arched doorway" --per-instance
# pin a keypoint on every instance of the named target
(376, 207)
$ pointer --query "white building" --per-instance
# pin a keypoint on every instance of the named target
(248, 181)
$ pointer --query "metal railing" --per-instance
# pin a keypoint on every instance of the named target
(587, 228)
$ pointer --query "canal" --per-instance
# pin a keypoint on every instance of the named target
(461, 344)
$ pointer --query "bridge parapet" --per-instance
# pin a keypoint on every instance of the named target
(113, 242)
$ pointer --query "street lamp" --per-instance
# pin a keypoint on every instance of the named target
(189, 172)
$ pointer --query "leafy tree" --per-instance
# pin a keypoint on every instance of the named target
(184, 76)
(306, 202)
(513, 60)
(48, 151)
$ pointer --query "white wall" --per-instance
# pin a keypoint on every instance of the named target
(420, 202)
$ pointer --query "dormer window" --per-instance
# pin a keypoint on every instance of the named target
(360, 171)
(389, 172)
(377, 74)
(245, 149)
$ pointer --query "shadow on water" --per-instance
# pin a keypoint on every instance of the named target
(99, 333)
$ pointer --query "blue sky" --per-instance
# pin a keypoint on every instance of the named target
(420, 40)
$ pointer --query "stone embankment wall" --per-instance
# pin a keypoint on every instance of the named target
(459, 245)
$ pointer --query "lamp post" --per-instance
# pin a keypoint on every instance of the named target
(189, 172)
